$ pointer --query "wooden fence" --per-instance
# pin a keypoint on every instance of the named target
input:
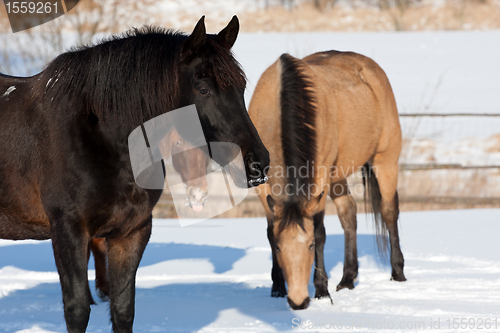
(437, 180)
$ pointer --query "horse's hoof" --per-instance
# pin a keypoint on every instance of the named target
(398, 277)
(102, 295)
(278, 293)
(320, 295)
(345, 284)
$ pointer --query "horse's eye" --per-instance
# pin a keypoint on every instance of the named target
(277, 248)
(204, 91)
(311, 246)
(179, 142)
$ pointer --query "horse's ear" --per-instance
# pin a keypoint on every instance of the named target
(228, 34)
(197, 38)
(270, 202)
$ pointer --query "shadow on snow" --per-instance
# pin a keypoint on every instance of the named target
(172, 307)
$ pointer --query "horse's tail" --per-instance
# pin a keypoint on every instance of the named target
(372, 195)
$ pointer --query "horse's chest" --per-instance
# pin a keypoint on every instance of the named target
(129, 210)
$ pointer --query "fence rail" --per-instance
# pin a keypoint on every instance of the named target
(421, 188)
(416, 167)
(449, 114)
(447, 166)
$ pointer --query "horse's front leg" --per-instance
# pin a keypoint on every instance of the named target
(346, 210)
(320, 276)
(70, 244)
(124, 255)
(278, 289)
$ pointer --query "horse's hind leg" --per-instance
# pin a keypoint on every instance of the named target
(278, 289)
(70, 246)
(346, 210)
(387, 176)
(124, 255)
(390, 214)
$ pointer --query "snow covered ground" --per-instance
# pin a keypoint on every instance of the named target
(215, 277)
(461, 66)
(439, 72)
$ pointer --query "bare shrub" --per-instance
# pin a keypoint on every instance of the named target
(28, 51)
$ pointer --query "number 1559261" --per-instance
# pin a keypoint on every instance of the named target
(31, 7)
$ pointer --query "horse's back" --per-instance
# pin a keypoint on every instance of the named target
(358, 99)
(348, 70)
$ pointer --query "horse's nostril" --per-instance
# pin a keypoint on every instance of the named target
(249, 159)
(197, 193)
(256, 172)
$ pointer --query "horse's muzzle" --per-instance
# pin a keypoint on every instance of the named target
(300, 306)
(256, 170)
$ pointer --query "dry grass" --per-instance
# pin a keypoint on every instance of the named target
(427, 15)
(452, 15)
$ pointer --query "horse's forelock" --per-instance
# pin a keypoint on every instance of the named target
(219, 64)
(291, 215)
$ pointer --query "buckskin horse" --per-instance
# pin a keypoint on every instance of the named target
(65, 162)
(329, 114)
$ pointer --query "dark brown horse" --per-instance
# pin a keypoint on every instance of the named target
(191, 163)
(65, 163)
(322, 118)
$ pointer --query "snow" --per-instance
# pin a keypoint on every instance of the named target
(438, 72)
(463, 65)
(215, 277)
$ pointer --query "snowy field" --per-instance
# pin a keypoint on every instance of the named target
(215, 277)
(438, 72)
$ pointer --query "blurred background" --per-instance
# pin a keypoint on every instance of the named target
(441, 57)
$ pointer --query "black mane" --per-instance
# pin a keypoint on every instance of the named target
(298, 121)
(291, 215)
(133, 77)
